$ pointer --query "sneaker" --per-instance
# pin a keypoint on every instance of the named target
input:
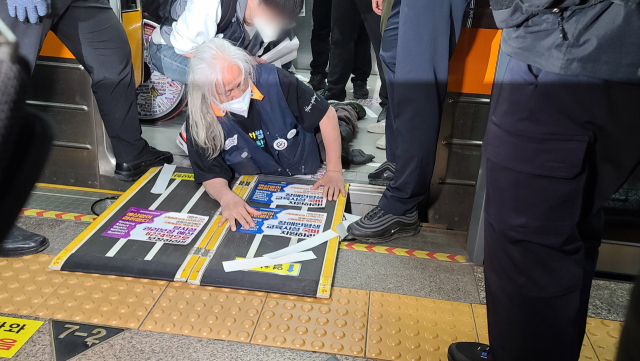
(357, 107)
(317, 82)
(378, 226)
(382, 143)
(383, 115)
(152, 157)
(360, 90)
(182, 138)
(468, 351)
(327, 96)
(20, 242)
(383, 175)
(377, 127)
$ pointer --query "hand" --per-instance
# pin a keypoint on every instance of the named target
(333, 185)
(31, 9)
(377, 6)
(235, 209)
(259, 60)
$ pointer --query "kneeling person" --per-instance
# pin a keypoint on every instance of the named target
(246, 118)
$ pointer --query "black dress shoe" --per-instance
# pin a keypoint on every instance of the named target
(360, 90)
(131, 171)
(378, 226)
(20, 242)
(468, 351)
(383, 175)
(317, 82)
(328, 96)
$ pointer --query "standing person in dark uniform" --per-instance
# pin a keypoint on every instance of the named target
(415, 54)
(93, 34)
(562, 138)
(349, 20)
(321, 47)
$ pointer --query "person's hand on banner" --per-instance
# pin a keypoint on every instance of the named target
(235, 209)
(30, 10)
(333, 183)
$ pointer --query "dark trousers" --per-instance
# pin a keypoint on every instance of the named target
(415, 54)
(354, 26)
(96, 38)
(557, 148)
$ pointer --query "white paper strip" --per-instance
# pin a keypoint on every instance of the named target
(370, 113)
(163, 179)
(342, 226)
(243, 264)
(302, 246)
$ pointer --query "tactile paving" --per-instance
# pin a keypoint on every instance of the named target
(333, 325)
(480, 315)
(99, 299)
(208, 312)
(26, 282)
(415, 328)
(604, 336)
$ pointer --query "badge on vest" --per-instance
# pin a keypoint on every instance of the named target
(231, 142)
(291, 133)
(280, 144)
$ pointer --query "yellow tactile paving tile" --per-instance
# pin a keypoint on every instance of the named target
(604, 336)
(99, 299)
(334, 325)
(208, 312)
(26, 282)
(415, 328)
(480, 315)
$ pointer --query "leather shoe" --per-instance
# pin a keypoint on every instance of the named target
(20, 242)
(153, 157)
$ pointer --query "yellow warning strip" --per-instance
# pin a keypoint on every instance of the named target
(58, 215)
(77, 242)
(404, 252)
(47, 185)
(326, 276)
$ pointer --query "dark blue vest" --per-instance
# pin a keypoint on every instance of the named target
(301, 154)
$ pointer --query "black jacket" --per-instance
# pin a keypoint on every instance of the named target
(597, 38)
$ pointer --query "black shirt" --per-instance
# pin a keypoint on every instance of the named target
(307, 114)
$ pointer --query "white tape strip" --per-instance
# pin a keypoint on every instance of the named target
(342, 227)
(243, 264)
(302, 246)
(163, 179)
(370, 113)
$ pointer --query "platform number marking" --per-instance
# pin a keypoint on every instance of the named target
(72, 339)
(98, 332)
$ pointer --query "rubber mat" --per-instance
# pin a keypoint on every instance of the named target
(91, 252)
(207, 312)
(604, 336)
(314, 278)
(480, 315)
(415, 328)
(26, 282)
(335, 325)
(99, 299)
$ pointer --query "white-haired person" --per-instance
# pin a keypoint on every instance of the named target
(248, 118)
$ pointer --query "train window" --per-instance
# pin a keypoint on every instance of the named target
(129, 5)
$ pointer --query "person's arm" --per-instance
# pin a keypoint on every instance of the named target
(196, 25)
(234, 208)
(332, 180)
(377, 6)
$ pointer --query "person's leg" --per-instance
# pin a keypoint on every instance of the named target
(558, 147)
(372, 23)
(361, 63)
(320, 37)
(344, 31)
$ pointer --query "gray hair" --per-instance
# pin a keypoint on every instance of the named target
(210, 61)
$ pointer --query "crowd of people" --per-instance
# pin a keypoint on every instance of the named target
(561, 137)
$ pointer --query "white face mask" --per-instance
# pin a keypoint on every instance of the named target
(267, 30)
(240, 105)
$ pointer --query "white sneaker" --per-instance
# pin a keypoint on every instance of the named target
(377, 128)
(382, 143)
(182, 138)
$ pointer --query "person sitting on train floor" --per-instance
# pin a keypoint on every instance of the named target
(249, 24)
(249, 118)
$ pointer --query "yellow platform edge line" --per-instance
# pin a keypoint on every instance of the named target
(96, 190)
(71, 247)
(326, 275)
